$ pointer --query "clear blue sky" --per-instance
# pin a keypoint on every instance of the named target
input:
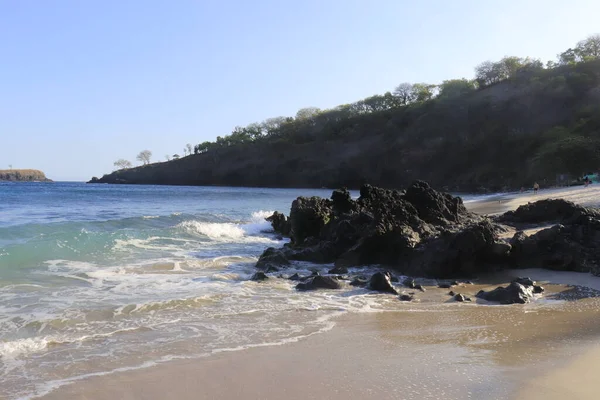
(83, 83)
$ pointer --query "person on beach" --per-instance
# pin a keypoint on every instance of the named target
(536, 187)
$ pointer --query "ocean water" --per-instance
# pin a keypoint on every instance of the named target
(103, 278)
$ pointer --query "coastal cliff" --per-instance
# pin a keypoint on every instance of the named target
(23, 175)
(534, 126)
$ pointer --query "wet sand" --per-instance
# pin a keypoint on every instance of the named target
(430, 349)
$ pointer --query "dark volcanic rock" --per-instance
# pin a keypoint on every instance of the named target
(380, 281)
(294, 277)
(272, 257)
(393, 278)
(342, 201)
(359, 281)
(461, 297)
(500, 250)
(280, 223)
(465, 252)
(338, 270)
(513, 293)
(319, 282)
(426, 233)
(259, 276)
(307, 217)
(406, 297)
(573, 247)
(435, 207)
(525, 281)
(549, 210)
(409, 283)
(538, 289)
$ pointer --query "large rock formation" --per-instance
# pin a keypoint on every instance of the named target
(419, 231)
(423, 232)
(571, 245)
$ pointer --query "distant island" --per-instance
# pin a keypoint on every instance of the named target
(23, 175)
(518, 122)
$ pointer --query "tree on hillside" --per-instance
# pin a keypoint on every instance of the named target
(175, 156)
(421, 92)
(589, 48)
(307, 113)
(189, 148)
(455, 87)
(271, 125)
(404, 93)
(122, 164)
(203, 147)
(378, 102)
(586, 50)
(167, 157)
(9, 166)
(254, 131)
(488, 73)
(144, 156)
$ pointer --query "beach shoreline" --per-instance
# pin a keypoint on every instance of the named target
(413, 352)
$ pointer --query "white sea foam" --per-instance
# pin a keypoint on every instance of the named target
(214, 230)
(14, 348)
(228, 231)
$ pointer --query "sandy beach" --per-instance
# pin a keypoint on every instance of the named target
(427, 350)
(431, 349)
(586, 196)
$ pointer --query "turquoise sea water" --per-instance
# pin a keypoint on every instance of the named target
(98, 278)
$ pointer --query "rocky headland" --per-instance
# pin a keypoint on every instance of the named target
(23, 175)
(422, 233)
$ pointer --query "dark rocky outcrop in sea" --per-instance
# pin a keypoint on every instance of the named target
(421, 232)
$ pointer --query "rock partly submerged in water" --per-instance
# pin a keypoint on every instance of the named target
(520, 290)
(380, 282)
(272, 257)
(319, 282)
(259, 276)
(406, 297)
(280, 223)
